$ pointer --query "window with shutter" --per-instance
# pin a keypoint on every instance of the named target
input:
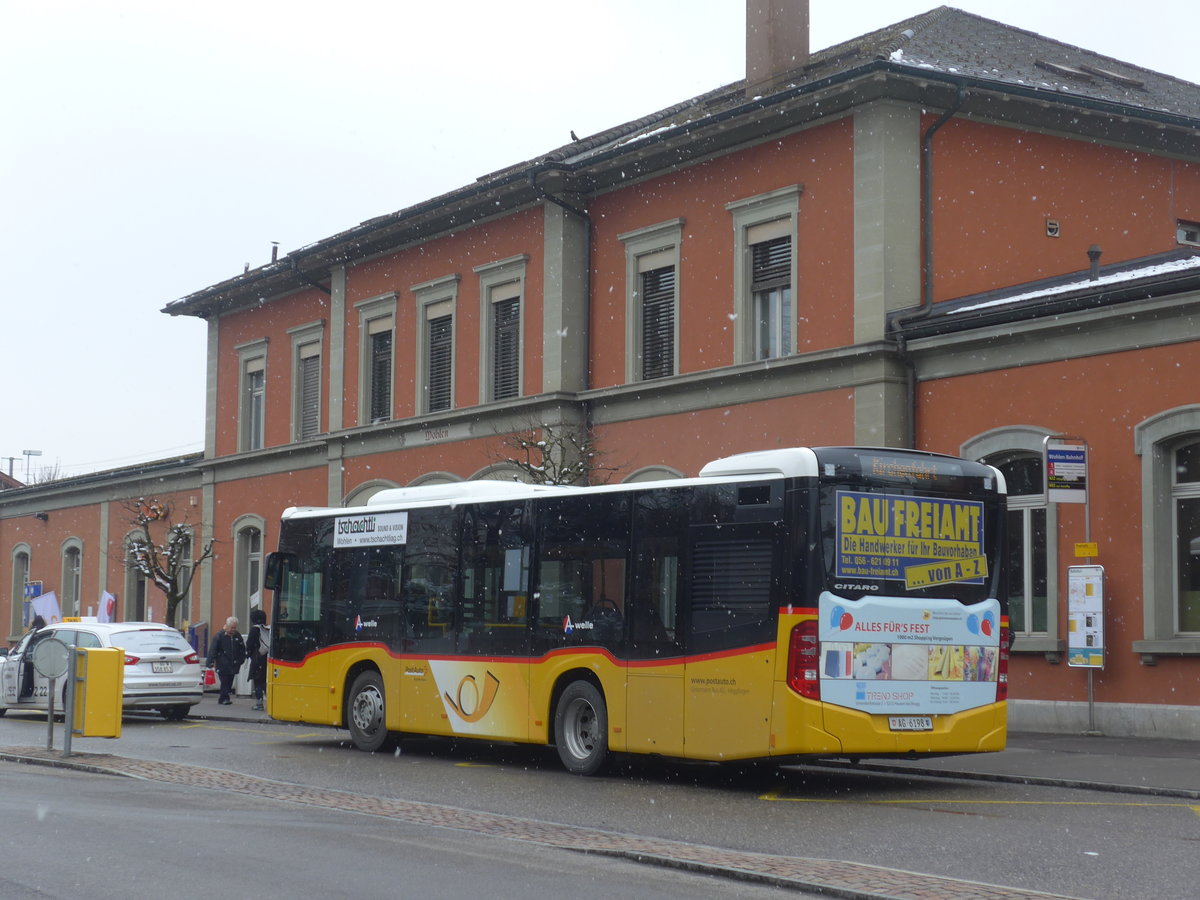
(381, 376)
(506, 319)
(440, 360)
(771, 268)
(658, 322)
(765, 274)
(309, 412)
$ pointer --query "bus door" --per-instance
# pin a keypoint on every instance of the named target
(654, 687)
(296, 664)
(485, 690)
(732, 599)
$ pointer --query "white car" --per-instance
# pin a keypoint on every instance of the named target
(162, 671)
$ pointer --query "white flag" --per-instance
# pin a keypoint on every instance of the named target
(47, 607)
(108, 605)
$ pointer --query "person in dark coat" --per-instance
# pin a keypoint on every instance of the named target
(258, 646)
(226, 655)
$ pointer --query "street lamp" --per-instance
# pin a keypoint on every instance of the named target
(29, 453)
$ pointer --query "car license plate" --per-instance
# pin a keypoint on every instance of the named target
(910, 723)
(161, 668)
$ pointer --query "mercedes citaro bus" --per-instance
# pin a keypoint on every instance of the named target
(834, 602)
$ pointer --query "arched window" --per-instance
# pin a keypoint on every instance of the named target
(72, 564)
(1028, 581)
(247, 568)
(183, 616)
(1169, 445)
(1032, 534)
(1185, 499)
(134, 601)
(20, 577)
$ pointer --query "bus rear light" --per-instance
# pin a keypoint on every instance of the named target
(1002, 669)
(804, 657)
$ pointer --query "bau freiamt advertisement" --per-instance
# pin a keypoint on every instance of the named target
(921, 541)
(907, 656)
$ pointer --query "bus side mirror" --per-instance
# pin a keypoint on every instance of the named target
(273, 573)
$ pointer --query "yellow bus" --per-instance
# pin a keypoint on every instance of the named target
(807, 602)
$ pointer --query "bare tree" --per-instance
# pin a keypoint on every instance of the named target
(163, 561)
(553, 454)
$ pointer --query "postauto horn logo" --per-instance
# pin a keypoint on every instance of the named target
(471, 704)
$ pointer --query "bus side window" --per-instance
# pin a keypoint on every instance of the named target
(495, 580)
(582, 571)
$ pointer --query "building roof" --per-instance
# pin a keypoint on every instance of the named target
(942, 59)
(1159, 275)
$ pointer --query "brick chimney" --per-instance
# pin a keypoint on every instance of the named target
(776, 38)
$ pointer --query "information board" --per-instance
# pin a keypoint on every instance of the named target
(1085, 616)
(1066, 471)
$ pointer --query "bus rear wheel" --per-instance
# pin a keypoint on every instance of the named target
(581, 728)
(365, 712)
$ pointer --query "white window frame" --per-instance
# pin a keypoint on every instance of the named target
(1026, 440)
(779, 212)
(375, 315)
(434, 299)
(1155, 440)
(307, 341)
(646, 249)
(499, 281)
(252, 359)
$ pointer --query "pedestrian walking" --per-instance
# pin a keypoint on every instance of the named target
(226, 654)
(258, 646)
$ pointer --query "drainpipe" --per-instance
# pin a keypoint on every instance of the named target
(926, 307)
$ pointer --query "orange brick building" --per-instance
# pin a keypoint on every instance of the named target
(948, 234)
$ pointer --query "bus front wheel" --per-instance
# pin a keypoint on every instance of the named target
(364, 712)
(581, 728)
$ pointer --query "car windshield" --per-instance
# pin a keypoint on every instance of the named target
(148, 641)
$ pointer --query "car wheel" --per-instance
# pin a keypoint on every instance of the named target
(174, 713)
(581, 728)
(3, 710)
(365, 712)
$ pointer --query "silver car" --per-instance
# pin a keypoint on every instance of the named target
(162, 671)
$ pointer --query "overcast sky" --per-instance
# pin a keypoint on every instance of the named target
(151, 149)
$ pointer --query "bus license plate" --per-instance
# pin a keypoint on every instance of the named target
(161, 668)
(910, 723)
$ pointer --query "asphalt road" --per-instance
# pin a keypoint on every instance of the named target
(77, 835)
(1071, 842)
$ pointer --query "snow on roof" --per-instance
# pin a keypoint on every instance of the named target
(1084, 282)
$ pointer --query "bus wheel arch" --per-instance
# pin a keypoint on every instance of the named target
(366, 710)
(581, 725)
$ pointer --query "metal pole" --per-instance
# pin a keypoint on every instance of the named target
(50, 716)
(72, 697)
